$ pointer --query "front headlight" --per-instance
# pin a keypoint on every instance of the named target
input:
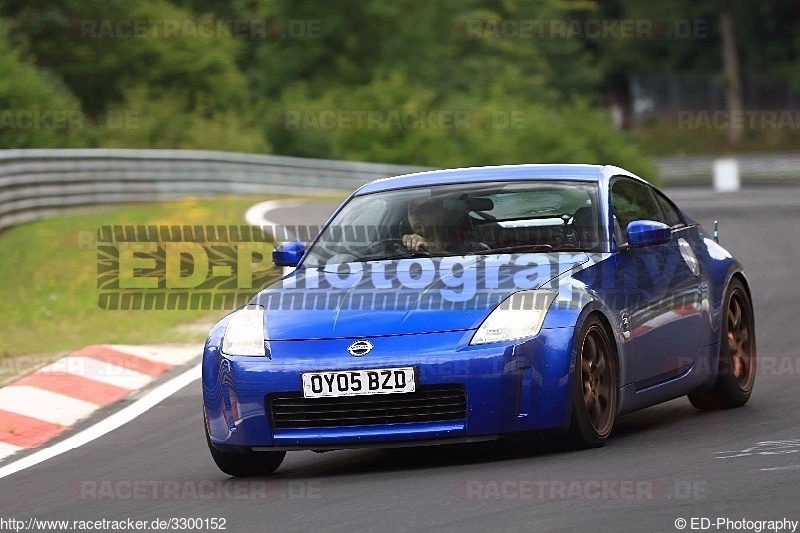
(245, 332)
(518, 317)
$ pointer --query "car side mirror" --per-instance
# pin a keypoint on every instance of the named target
(288, 254)
(648, 233)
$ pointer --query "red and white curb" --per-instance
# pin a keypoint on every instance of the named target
(44, 404)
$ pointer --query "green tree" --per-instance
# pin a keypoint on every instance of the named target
(189, 81)
(528, 100)
(33, 104)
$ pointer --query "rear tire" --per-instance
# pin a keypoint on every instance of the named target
(736, 369)
(245, 464)
(594, 387)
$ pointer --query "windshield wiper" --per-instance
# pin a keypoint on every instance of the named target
(528, 247)
(531, 248)
(401, 255)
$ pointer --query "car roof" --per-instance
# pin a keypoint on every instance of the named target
(537, 172)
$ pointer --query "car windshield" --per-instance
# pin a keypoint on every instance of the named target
(462, 219)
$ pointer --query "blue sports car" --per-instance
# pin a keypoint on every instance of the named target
(467, 304)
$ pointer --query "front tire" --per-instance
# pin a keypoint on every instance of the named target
(594, 387)
(736, 369)
(245, 464)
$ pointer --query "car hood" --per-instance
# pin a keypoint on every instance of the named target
(409, 296)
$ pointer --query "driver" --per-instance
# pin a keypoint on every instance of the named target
(433, 231)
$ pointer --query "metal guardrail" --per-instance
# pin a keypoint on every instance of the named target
(36, 184)
(766, 168)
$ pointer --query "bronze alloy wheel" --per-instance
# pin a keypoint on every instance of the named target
(740, 340)
(597, 380)
(736, 369)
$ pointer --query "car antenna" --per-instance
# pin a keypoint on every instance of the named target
(716, 231)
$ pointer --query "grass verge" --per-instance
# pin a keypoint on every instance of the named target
(49, 292)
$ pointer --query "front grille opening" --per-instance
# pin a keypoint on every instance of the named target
(427, 404)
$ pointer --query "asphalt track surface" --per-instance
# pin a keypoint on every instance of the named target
(661, 464)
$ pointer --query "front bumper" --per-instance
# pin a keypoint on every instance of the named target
(509, 387)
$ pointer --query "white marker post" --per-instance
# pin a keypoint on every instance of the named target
(726, 175)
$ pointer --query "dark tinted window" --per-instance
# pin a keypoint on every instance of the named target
(672, 217)
(466, 218)
(631, 200)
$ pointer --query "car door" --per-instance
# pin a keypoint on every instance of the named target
(660, 311)
(689, 289)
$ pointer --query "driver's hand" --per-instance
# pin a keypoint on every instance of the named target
(414, 242)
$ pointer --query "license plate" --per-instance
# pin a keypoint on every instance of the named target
(358, 382)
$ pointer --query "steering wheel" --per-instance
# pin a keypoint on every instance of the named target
(390, 245)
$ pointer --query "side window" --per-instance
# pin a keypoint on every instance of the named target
(672, 216)
(631, 200)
